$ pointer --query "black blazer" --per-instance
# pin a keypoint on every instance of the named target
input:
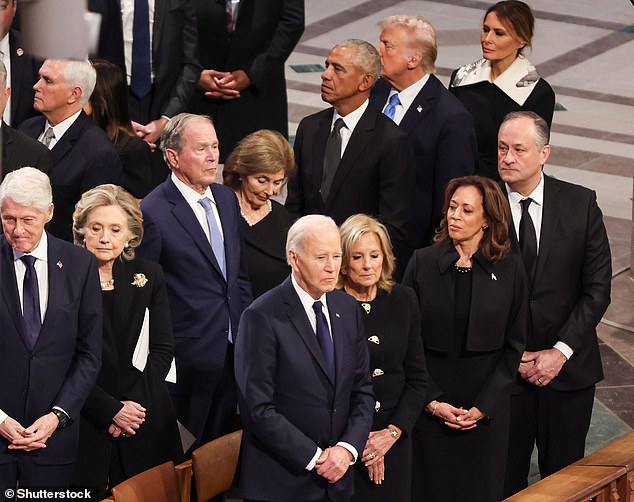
(497, 316)
(376, 176)
(441, 131)
(174, 62)
(571, 288)
(18, 150)
(265, 34)
(81, 159)
(156, 441)
(136, 159)
(24, 75)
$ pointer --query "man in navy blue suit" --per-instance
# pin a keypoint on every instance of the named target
(50, 320)
(438, 125)
(192, 229)
(302, 370)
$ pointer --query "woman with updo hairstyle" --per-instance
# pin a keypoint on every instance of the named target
(127, 424)
(257, 169)
(108, 108)
(503, 81)
(473, 299)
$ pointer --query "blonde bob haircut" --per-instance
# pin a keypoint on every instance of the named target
(109, 195)
(351, 231)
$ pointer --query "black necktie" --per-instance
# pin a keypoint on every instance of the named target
(528, 239)
(325, 340)
(332, 157)
(31, 300)
(141, 73)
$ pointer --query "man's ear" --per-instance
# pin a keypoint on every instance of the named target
(367, 82)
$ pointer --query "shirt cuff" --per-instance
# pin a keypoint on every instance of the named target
(564, 349)
(313, 461)
(62, 410)
(351, 449)
(3, 416)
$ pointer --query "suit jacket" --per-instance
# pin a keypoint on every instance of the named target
(24, 75)
(441, 131)
(18, 150)
(157, 440)
(62, 366)
(174, 64)
(376, 176)
(497, 316)
(202, 302)
(81, 159)
(265, 34)
(288, 404)
(571, 288)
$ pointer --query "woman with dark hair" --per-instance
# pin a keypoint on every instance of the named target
(472, 295)
(503, 81)
(256, 169)
(108, 108)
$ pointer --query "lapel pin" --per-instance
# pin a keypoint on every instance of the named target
(337, 314)
(493, 277)
(60, 264)
(419, 109)
(19, 51)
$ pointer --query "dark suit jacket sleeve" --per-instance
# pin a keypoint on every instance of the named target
(190, 70)
(83, 371)
(150, 247)
(287, 33)
(255, 367)
(488, 401)
(295, 196)
(411, 402)
(595, 282)
(101, 407)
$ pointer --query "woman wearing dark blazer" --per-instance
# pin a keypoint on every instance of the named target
(503, 81)
(473, 300)
(397, 364)
(127, 423)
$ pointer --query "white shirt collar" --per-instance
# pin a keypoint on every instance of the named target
(407, 95)
(40, 252)
(537, 194)
(60, 129)
(304, 297)
(352, 119)
(4, 45)
(191, 196)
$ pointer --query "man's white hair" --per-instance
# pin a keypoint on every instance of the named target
(27, 187)
(305, 225)
(82, 74)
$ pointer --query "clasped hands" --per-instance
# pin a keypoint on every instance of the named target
(539, 368)
(376, 447)
(333, 463)
(127, 421)
(455, 418)
(223, 84)
(30, 438)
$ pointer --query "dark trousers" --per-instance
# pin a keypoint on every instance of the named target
(21, 469)
(557, 421)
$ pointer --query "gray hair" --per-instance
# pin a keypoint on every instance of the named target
(542, 131)
(82, 74)
(3, 76)
(367, 57)
(422, 37)
(27, 187)
(172, 136)
(304, 225)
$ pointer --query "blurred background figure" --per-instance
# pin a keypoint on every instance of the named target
(108, 108)
(242, 47)
(257, 169)
(472, 295)
(128, 423)
(397, 364)
(503, 81)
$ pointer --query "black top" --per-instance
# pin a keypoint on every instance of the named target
(488, 104)
(265, 249)
(136, 159)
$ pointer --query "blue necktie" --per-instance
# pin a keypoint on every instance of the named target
(141, 73)
(393, 102)
(325, 340)
(31, 300)
(217, 244)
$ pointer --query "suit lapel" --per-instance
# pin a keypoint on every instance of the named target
(422, 104)
(57, 277)
(157, 31)
(7, 139)
(319, 149)
(379, 94)
(337, 332)
(9, 288)
(66, 142)
(550, 219)
(359, 140)
(18, 61)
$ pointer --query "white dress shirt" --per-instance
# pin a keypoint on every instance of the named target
(5, 57)
(127, 18)
(307, 302)
(536, 210)
(60, 129)
(406, 97)
(351, 120)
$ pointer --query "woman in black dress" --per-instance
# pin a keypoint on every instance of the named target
(108, 108)
(257, 169)
(397, 364)
(127, 424)
(472, 295)
(503, 81)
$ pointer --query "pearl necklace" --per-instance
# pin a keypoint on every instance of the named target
(107, 284)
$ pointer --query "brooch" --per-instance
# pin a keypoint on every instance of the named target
(367, 307)
(139, 280)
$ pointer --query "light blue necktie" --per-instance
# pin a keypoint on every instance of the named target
(217, 244)
(393, 102)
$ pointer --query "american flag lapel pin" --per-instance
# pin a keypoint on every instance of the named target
(59, 264)
(493, 277)
(419, 109)
(337, 314)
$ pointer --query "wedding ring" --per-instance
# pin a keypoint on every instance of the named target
(539, 380)
(371, 456)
